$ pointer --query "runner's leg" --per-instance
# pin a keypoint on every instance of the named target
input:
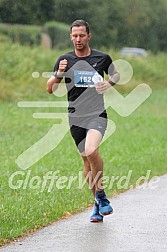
(92, 142)
(88, 174)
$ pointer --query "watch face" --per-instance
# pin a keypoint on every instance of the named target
(55, 74)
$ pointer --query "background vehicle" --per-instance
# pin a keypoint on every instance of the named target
(133, 52)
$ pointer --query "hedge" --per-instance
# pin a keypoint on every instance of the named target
(32, 35)
(23, 34)
(59, 34)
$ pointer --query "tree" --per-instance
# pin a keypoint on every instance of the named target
(26, 12)
(114, 23)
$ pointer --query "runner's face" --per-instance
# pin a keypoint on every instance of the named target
(80, 37)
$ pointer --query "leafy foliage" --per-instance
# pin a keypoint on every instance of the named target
(114, 23)
(26, 12)
(23, 34)
(58, 32)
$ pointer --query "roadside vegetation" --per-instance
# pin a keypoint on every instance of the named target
(139, 143)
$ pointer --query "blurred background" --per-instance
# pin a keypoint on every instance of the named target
(114, 23)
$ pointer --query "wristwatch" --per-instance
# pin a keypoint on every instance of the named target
(59, 76)
(110, 82)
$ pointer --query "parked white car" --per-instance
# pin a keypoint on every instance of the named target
(133, 52)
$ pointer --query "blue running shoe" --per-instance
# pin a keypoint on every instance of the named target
(104, 204)
(96, 217)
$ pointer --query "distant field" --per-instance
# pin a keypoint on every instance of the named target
(139, 143)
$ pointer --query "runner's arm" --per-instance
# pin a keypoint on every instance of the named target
(53, 82)
(114, 77)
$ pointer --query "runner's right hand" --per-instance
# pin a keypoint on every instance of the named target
(62, 66)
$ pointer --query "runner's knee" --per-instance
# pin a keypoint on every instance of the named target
(91, 153)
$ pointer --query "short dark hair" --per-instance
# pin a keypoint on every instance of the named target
(80, 23)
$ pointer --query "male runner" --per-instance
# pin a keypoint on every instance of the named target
(87, 115)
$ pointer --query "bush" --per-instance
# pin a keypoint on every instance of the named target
(23, 34)
(59, 34)
(32, 35)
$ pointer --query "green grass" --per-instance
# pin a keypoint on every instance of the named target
(138, 144)
(17, 65)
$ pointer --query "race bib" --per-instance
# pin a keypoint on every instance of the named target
(86, 78)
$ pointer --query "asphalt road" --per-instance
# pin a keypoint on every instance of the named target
(139, 224)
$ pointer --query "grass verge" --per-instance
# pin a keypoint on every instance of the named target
(139, 145)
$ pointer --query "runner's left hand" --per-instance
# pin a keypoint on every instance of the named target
(101, 87)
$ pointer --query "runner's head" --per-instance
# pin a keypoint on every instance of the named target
(78, 23)
(80, 35)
